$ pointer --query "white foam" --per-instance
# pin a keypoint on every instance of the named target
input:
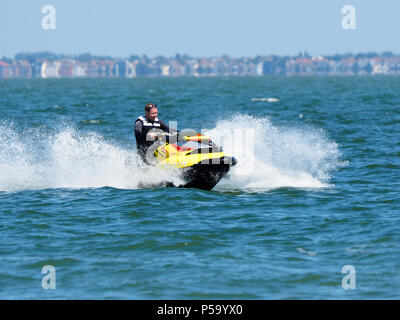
(299, 157)
(69, 159)
(269, 156)
(265, 99)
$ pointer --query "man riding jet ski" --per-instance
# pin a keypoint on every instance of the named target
(201, 163)
(145, 124)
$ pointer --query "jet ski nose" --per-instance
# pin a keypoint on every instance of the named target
(234, 161)
(229, 160)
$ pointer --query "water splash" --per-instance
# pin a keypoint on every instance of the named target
(38, 159)
(273, 157)
(268, 157)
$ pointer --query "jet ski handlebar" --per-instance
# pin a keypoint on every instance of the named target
(185, 135)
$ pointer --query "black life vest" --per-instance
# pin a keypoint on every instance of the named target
(146, 123)
(147, 126)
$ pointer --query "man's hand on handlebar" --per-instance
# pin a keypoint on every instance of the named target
(153, 135)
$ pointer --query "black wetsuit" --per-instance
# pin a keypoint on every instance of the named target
(142, 126)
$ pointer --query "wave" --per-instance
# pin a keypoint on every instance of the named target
(272, 156)
(38, 159)
(268, 157)
(265, 99)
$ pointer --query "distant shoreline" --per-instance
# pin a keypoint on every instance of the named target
(50, 65)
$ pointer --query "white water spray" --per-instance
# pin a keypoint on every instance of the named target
(277, 156)
(268, 157)
(70, 159)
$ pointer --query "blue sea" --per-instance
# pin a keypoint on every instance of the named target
(311, 210)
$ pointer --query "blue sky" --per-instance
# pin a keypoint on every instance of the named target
(199, 28)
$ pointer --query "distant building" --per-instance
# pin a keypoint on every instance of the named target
(165, 70)
(5, 71)
(50, 69)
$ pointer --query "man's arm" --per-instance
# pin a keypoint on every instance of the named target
(139, 135)
(165, 128)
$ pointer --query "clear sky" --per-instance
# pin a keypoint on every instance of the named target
(199, 27)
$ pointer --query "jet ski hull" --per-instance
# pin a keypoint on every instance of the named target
(206, 175)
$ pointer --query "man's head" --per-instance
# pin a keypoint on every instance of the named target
(151, 111)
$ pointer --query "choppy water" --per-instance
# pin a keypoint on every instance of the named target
(315, 189)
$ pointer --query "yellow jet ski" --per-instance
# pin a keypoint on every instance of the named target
(202, 164)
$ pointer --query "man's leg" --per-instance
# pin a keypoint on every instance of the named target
(142, 154)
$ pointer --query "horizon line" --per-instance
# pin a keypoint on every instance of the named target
(300, 53)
